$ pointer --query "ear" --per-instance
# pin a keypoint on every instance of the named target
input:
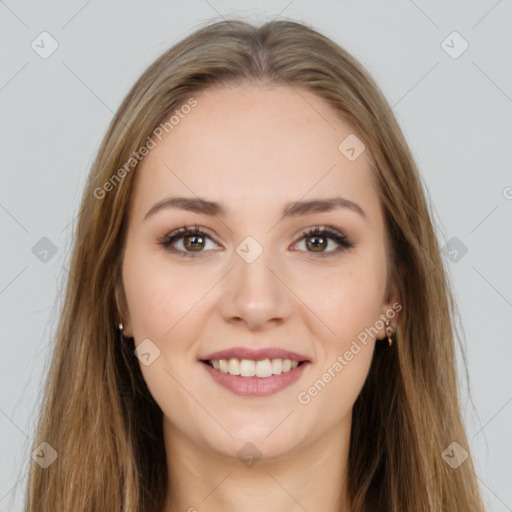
(122, 309)
(390, 310)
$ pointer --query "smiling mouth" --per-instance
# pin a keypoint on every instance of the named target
(249, 368)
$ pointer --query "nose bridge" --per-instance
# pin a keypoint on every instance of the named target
(255, 294)
(253, 265)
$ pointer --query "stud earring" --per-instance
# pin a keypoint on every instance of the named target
(120, 326)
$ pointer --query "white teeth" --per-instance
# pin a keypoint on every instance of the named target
(249, 368)
(263, 368)
(234, 367)
(277, 366)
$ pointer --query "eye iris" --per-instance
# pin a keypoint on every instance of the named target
(316, 245)
(194, 245)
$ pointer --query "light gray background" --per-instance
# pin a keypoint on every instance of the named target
(456, 114)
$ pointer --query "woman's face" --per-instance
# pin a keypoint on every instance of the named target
(251, 283)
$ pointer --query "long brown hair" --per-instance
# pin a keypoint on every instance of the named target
(97, 412)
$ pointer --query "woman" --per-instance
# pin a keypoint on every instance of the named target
(258, 315)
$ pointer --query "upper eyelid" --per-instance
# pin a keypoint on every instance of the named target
(184, 231)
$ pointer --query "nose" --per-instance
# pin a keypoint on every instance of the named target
(256, 294)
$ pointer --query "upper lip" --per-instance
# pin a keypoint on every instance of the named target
(255, 355)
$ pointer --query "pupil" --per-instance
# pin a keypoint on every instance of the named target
(194, 244)
(317, 245)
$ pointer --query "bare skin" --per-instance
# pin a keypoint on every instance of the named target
(255, 149)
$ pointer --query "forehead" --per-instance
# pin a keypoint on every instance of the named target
(245, 144)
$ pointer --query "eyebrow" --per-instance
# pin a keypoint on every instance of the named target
(294, 209)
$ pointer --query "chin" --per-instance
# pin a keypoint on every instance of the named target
(253, 449)
(264, 440)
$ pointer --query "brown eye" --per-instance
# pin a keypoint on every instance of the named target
(192, 240)
(317, 241)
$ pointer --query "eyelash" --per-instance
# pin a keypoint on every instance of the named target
(325, 231)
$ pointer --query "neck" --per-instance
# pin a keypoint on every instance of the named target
(311, 478)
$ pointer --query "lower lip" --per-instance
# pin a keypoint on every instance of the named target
(256, 386)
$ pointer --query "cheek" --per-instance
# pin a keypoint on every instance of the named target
(160, 297)
(332, 393)
(349, 304)
(347, 299)
(163, 308)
